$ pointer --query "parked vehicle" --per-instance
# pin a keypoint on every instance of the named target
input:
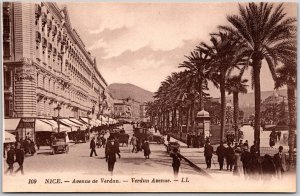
(156, 138)
(172, 145)
(59, 143)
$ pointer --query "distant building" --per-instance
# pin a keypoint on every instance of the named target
(143, 113)
(122, 109)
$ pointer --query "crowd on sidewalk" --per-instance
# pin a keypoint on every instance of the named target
(245, 161)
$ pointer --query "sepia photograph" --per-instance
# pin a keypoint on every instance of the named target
(149, 96)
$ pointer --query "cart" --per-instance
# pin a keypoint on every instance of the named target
(59, 143)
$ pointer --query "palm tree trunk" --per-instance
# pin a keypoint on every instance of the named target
(236, 113)
(292, 123)
(257, 101)
(174, 118)
(188, 119)
(193, 115)
(201, 96)
(223, 106)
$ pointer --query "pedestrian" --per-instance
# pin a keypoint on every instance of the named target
(176, 162)
(245, 158)
(37, 142)
(32, 147)
(133, 141)
(20, 158)
(279, 135)
(168, 138)
(229, 157)
(10, 159)
(93, 147)
(246, 144)
(103, 140)
(189, 140)
(280, 162)
(26, 146)
(221, 151)
(238, 164)
(146, 147)
(254, 165)
(268, 167)
(110, 154)
(208, 151)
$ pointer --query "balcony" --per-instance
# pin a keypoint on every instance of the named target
(54, 31)
(38, 37)
(49, 25)
(44, 19)
(44, 42)
(54, 51)
(49, 47)
(38, 11)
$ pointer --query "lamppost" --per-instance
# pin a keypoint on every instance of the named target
(58, 108)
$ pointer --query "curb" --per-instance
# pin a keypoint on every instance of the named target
(195, 167)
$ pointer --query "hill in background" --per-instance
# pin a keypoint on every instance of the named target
(123, 91)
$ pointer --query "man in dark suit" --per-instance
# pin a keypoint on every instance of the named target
(221, 151)
(10, 159)
(20, 154)
(280, 162)
(93, 147)
(208, 151)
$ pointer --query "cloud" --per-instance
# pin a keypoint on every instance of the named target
(142, 43)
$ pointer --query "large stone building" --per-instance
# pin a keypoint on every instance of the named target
(130, 109)
(46, 65)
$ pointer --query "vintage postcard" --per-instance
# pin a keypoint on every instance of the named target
(149, 97)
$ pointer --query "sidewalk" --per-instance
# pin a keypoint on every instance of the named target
(196, 156)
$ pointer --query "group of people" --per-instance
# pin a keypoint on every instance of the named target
(138, 144)
(243, 160)
(274, 137)
(195, 140)
(15, 154)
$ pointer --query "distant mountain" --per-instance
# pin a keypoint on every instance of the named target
(123, 91)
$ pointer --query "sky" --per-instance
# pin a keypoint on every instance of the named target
(142, 43)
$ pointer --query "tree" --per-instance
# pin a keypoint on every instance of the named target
(287, 76)
(226, 53)
(234, 86)
(263, 28)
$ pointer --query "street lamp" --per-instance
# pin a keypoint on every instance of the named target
(58, 108)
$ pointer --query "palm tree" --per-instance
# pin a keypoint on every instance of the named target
(236, 85)
(226, 53)
(287, 76)
(197, 72)
(262, 27)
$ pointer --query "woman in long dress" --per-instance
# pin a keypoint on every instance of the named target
(146, 147)
(238, 164)
(110, 154)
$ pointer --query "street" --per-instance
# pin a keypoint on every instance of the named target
(78, 159)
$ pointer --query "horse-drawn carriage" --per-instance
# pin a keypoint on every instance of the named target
(120, 135)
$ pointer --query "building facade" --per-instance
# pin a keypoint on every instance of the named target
(143, 113)
(46, 65)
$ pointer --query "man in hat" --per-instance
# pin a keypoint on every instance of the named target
(20, 154)
(280, 162)
(93, 147)
(110, 154)
(208, 151)
(245, 158)
(10, 159)
(221, 151)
